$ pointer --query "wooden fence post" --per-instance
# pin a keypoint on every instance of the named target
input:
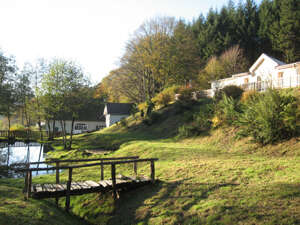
(29, 183)
(26, 178)
(113, 179)
(152, 171)
(57, 180)
(68, 190)
(102, 172)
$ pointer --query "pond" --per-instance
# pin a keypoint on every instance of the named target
(22, 153)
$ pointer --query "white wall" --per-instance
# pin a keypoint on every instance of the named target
(111, 119)
(268, 73)
(91, 125)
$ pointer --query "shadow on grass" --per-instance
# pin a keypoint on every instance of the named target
(164, 201)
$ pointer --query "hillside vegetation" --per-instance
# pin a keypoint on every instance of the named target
(210, 178)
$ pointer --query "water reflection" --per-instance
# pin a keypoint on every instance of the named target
(21, 153)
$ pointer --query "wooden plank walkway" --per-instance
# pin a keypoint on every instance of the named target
(40, 191)
(57, 190)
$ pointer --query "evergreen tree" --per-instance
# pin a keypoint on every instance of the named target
(266, 18)
(288, 40)
(247, 24)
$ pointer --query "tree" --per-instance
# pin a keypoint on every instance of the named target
(285, 32)
(8, 94)
(184, 61)
(24, 92)
(60, 93)
(231, 61)
(247, 25)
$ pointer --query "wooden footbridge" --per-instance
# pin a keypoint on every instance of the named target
(58, 189)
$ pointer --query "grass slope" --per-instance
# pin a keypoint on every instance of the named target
(15, 210)
(212, 179)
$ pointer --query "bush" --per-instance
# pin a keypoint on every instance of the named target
(187, 131)
(124, 123)
(232, 91)
(203, 121)
(249, 96)
(162, 99)
(153, 118)
(186, 94)
(17, 127)
(187, 116)
(270, 117)
(166, 96)
(142, 106)
(227, 111)
(200, 122)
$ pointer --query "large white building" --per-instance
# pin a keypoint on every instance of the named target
(266, 72)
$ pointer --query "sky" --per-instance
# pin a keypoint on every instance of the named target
(91, 32)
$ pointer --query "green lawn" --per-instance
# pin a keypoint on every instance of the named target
(212, 179)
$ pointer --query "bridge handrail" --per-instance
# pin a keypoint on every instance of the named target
(86, 165)
(73, 160)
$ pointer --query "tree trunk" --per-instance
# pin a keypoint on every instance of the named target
(8, 118)
(40, 128)
(63, 134)
(49, 130)
(53, 130)
(71, 134)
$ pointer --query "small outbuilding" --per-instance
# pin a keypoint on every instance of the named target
(114, 112)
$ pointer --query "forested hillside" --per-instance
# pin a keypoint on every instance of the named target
(165, 51)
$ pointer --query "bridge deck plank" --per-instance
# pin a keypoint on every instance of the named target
(40, 191)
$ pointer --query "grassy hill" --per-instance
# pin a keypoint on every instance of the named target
(213, 178)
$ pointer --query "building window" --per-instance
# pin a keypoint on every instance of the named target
(81, 126)
(246, 80)
(280, 75)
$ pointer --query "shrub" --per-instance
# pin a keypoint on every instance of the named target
(166, 96)
(162, 99)
(227, 111)
(153, 118)
(270, 117)
(17, 127)
(200, 122)
(249, 95)
(203, 121)
(232, 91)
(186, 94)
(187, 131)
(124, 123)
(143, 106)
(187, 116)
(150, 107)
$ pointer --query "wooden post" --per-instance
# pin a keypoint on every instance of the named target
(29, 182)
(102, 172)
(135, 168)
(57, 180)
(26, 181)
(152, 171)
(113, 179)
(68, 190)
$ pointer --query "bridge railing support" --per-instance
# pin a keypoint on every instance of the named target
(57, 180)
(68, 189)
(110, 161)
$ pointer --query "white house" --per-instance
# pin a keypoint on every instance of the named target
(88, 119)
(266, 72)
(114, 112)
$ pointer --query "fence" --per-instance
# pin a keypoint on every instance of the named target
(293, 81)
